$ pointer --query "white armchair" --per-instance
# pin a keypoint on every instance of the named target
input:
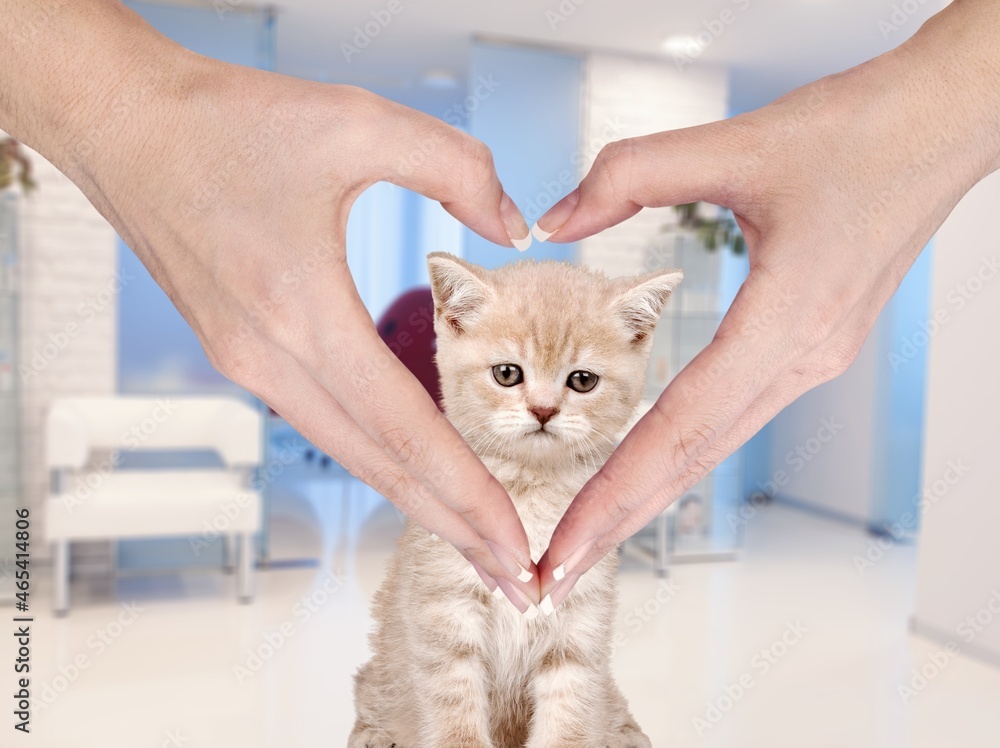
(90, 499)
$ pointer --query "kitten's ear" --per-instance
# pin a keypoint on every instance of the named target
(643, 300)
(460, 289)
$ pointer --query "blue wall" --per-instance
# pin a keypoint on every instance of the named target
(903, 382)
(243, 36)
(526, 106)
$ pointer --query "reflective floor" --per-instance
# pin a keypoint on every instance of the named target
(790, 646)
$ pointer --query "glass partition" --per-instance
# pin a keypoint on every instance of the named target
(705, 524)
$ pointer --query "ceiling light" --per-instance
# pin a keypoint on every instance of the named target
(681, 44)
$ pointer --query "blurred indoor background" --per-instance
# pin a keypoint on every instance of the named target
(834, 583)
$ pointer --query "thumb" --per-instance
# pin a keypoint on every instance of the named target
(667, 168)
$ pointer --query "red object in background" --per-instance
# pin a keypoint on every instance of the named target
(407, 327)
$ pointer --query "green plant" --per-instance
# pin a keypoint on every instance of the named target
(713, 232)
(14, 164)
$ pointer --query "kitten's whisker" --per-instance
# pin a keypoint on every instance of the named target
(509, 438)
(500, 431)
(492, 436)
(471, 437)
(463, 428)
(502, 446)
(492, 429)
(608, 443)
(603, 434)
(593, 455)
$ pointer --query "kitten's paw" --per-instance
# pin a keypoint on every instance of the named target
(365, 736)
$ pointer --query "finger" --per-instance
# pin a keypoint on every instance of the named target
(817, 367)
(324, 422)
(558, 592)
(490, 582)
(821, 364)
(450, 166)
(666, 447)
(556, 585)
(352, 363)
(667, 168)
(817, 364)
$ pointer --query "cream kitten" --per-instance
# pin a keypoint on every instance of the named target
(542, 365)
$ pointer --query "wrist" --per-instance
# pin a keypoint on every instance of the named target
(79, 79)
(959, 63)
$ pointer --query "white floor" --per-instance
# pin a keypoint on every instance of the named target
(181, 669)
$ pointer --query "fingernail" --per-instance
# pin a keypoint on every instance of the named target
(531, 613)
(434, 536)
(513, 221)
(518, 599)
(542, 236)
(558, 593)
(509, 562)
(567, 566)
(556, 216)
(546, 605)
(498, 593)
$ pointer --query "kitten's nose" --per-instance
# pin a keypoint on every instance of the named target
(544, 414)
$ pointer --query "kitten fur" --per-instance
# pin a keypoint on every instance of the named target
(454, 666)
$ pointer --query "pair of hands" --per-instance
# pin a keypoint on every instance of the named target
(233, 186)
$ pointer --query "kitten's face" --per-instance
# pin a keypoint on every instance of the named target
(541, 362)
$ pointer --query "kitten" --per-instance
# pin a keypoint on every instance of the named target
(542, 365)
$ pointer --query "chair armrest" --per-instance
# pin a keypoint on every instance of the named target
(67, 443)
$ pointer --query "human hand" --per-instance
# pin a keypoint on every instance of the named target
(837, 187)
(233, 186)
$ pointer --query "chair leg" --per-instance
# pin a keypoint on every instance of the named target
(244, 575)
(60, 577)
(228, 553)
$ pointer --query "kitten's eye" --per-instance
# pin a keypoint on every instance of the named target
(582, 381)
(508, 375)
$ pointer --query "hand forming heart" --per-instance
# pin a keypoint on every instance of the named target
(233, 186)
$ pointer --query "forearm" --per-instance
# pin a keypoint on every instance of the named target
(75, 73)
(959, 55)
